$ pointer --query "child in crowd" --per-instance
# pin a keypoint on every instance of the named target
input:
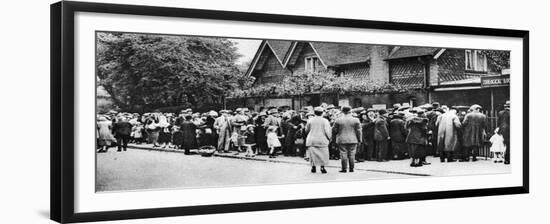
(177, 137)
(272, 140)
(137, 133)
(497, 147)
(250, 141)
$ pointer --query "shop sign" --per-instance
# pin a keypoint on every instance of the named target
(495, 81)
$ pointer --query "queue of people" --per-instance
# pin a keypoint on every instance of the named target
(318, 134)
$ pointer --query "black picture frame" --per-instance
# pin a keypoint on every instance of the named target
(62, 113)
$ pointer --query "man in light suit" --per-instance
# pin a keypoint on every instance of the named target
(347, 130)
(222, 125)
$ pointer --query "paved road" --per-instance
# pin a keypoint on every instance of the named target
(150, 169)
(142, 169)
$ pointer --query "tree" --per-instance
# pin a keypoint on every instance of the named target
(501, 59)
(143, 72)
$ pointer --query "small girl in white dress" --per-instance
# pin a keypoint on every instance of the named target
(497, 147)
(272, 140)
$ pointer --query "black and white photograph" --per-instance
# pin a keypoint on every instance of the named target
(241, 111)
(186, 111)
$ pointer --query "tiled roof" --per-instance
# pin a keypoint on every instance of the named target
(356, 71)
(411, 81)
(342, 53)
(408, 51)
(280, 48)
(408, 73)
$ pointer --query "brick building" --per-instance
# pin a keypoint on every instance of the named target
(449, 76)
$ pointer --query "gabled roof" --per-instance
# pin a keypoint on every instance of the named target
(410, 51)
(280, 48)
(256, 58)
(333, 54)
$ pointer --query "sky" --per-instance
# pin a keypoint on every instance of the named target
(247, 48)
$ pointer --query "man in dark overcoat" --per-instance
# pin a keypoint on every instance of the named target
(474, 133)
(398, 133)
(189, 130)
(504, 129)
(381, 135)
(368, 134)
(122, 130)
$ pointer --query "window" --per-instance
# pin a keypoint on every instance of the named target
(475, 61)
(311, 64)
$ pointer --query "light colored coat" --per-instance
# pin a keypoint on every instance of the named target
(447, 133)
(318, 132)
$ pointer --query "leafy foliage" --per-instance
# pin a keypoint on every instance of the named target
(501, 59)
(144, 72)
(317, 82)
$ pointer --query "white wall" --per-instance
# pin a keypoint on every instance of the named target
(24, 165)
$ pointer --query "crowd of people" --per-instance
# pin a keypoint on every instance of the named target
(318, 133)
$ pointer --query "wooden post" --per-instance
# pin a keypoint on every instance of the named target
(492, 113)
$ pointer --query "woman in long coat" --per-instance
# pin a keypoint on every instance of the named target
(448, 125)
(319, 134)
(368, 135)
(260, 134)
(105, 135)
(189, 130)
(293, 125)
(417, 139)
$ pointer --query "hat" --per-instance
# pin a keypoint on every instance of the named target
(273, 111)
(426, 106)
(358, 110)
(400, 114)
(435, 104)
(318, 109)
(330, 106)
(346, 109)
(475, 106)
(419, 111)
(507, 104)
(396, 106)
(382, 111)
(238, 110)
(402, 108)
(213, 113)
(371, 109)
